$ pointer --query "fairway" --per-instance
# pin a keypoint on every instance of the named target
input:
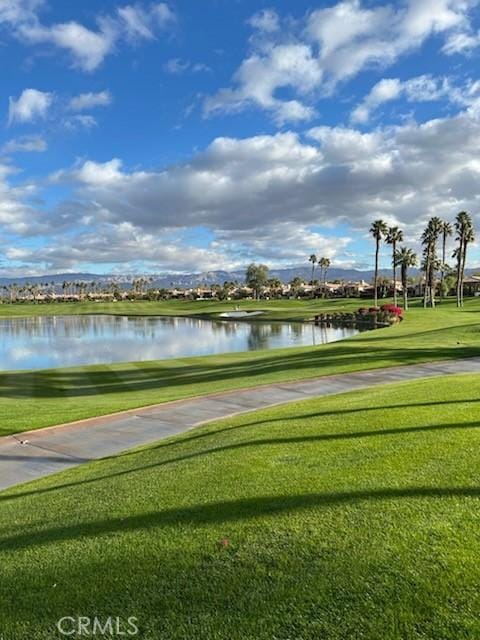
(354, 516)
(61, 395)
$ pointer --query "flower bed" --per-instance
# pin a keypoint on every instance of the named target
(382, 316)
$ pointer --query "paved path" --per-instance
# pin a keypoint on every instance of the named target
(35, 454)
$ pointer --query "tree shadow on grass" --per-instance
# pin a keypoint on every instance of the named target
(247, 372)
(294, 440)
(226, 512)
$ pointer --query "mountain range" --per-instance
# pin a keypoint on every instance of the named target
(187, 280)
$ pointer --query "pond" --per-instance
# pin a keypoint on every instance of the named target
(61, 341)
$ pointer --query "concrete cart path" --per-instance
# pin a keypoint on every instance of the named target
(35, 454)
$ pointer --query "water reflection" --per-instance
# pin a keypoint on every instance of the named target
(33, 343)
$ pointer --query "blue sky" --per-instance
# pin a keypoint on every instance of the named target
(190, 136)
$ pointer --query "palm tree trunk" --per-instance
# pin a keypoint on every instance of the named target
(464, 258)
(459, 269)
(444, 257)
(426, 283)
(432, 282)
(325, 283)
(375, 279)
(394, 246)
(404, 288)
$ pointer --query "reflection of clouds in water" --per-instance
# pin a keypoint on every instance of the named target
(70, 340)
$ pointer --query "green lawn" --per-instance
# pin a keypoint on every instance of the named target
(59, 395)
(274, 309)
(353, 516)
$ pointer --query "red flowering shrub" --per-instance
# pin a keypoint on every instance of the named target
(373, 310)
(391, 308)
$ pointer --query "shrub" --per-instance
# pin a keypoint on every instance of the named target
(392, 309)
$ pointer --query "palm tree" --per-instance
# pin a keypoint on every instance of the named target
(323, 263)
(378, 230)
(405, 258)
(313, 259)
(465, 236)
(394, 235)
(430, 262)
(447, 230)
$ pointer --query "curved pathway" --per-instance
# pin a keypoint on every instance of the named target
(31, 455)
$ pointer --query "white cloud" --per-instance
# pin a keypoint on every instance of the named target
(162, 13)
(79, 121)
(266, 20)
(15, 11)
(405, 173)
(176, 66)
(136, 22)
(259, 198)
(461, 42)
(331, 45)
(122, 244)
(25, 143)
(259, 77)
(385, 90)
(29, 106)
(16, 215)
(87, 47)
(90, 100)
(351, 37)
(423, 88)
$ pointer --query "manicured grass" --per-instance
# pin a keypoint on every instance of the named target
(353, 516)
(30, 400)
(274, 309)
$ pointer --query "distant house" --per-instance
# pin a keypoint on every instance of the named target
(471, 286)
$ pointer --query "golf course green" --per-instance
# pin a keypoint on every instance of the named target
(350, 516)
(354, 516)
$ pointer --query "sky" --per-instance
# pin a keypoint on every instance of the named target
(191, 136)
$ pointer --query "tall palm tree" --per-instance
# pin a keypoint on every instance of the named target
(465, 236)
(430, 262)
(447, 231)
(394, 235)
(324, 264)
(405, 258)
(313, 259)
(379, 230)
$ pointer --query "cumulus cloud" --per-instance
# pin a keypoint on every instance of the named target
(90, 100)
(262, 74)
(17, 216)
(34, 105)
(406, 173)
(120, 244)
(259, 198)
(88, 47)
(331, 45)
(423, 88)
(31, 105)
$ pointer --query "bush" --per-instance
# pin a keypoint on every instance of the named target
(392, 309)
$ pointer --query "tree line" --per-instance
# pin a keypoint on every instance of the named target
(435, 233)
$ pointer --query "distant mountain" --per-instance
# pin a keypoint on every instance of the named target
(187, 280)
